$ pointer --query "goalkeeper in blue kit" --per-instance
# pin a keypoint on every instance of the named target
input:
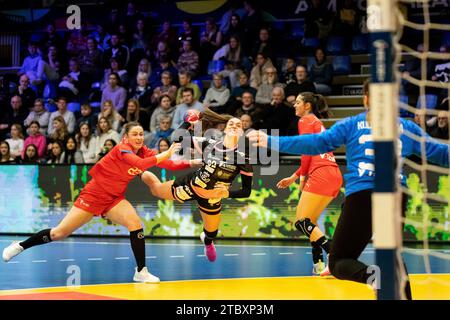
(354, 228)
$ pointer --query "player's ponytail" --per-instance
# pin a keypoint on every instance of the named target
(211, 119)
(319, 105)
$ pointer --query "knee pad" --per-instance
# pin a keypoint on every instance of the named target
(305, 226)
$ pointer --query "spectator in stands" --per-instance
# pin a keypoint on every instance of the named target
(264, 44)
(210, 41)
(164, 65)
(140, 39)
(321, 73)
(142, 92)
(75, 83)
(279, 115)
(5, 153)
(188, 60)
(441, 70)
(117, 51)
(217, 95)
(16, 141)
(87, 116)
(188, 102)
(68, 116)
(25, 92)
(288, 73)
(302, 84)
(105, 132)
(184, 78)
(235, 28)
(134, 113)
(165, 108)
(71, 154)
(15, 114)
(107, 146)
(109, 112)
(49, 67)
(51, 38)
(257, 73)
(167, 35)
(37, 139)
(163, 145)
(132, 16)
(39, 114)
(163, 132)
(59, 132)
(269, 81)
(233, 56)
(102, 37)
(440, 130)
(114, 92)
(248, 107)
(251, 23)
(30, 155)
(90, 61)
(36, 68)
(166, 88)
(188, 33)
(144, 66)
(86, 143)
(247, 123)
(77, 42)
(244, 86)
(31, 62)
(117, 68)
(162, 52)
(56, 153)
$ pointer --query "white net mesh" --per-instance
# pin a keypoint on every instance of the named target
(423, 56)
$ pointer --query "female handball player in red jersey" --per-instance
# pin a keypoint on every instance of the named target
(104, 195)
(320, 178)
(223, 160)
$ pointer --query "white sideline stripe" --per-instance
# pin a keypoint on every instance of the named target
(64, 260)
(231, 254)
(39, 261)
(201, 255)
(95, 259)
(151, 257)
(177, 256)
(122, 258)
(285, 253)
(11, 262)
(259, 254)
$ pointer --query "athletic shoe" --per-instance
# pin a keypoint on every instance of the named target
(318, 268)
(326, 272)
(11, 251)
(144, 276)
(210, 249)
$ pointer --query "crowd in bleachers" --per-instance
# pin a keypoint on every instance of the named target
(75, 93)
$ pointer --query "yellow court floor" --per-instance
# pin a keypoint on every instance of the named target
(424, 286)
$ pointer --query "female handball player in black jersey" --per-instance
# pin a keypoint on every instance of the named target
(223, 160)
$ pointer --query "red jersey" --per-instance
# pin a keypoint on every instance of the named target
(306, 125)
(120, 165)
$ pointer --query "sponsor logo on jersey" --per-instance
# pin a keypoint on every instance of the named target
(134, 171)
(84, 203)
(199, 182)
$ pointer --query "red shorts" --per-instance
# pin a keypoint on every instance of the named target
(326, 181)
(95, 200)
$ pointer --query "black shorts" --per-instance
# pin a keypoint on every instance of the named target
(182, 192)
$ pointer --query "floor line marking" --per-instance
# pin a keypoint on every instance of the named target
(122, 258)
(65, 260)
(39, 261)
(95, 259)
(259, 254)
(176, 256)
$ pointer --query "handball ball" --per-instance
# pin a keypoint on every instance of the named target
(192, 116)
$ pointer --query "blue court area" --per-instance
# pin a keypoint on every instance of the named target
(110, 261)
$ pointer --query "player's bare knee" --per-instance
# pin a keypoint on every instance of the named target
(57, 234)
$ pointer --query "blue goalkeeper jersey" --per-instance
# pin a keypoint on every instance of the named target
(355, 133)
